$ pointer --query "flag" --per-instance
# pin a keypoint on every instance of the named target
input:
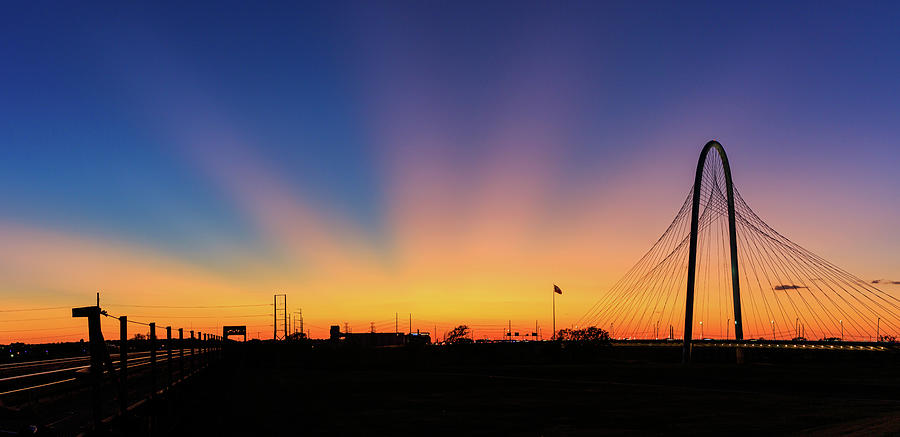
(556, 289)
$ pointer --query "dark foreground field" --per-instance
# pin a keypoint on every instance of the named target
(269, 391)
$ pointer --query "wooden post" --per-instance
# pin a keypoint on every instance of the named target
(192, 351)
(152, 359)
(181, 353)
(169, 354)
(95, 336)
(123, 365)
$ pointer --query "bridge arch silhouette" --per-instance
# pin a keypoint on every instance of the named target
(779, 291)
(732, 241)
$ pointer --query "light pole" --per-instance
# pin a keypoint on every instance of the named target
(842, 329)
(701, 330)
(728, 322)
(773, 331)
(878, 330)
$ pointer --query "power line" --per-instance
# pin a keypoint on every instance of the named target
(187, 307)
(35, 309)
(200, 317)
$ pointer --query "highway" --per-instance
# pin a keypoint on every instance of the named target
(769, 344)
(54, 394)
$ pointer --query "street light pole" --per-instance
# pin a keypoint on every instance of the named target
(773, 331)
(842, 329)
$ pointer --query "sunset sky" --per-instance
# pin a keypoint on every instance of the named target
(452, 160)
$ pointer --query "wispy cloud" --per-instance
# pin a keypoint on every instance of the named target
(885, 281)
(788, 287)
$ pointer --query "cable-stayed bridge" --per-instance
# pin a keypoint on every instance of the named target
(719, 271)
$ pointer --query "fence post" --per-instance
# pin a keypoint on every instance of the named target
(123, 364)
(169, 355)
(181, 353)
(192, 352)
(152, 359)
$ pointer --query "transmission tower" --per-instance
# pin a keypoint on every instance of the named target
(280, 316)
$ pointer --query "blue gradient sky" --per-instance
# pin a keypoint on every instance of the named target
(287, 146)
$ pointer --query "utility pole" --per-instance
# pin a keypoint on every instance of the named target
(410, 323)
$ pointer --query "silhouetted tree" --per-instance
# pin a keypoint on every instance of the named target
(458, 334)
(139, 336)
(591, 333)
(297, 336)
